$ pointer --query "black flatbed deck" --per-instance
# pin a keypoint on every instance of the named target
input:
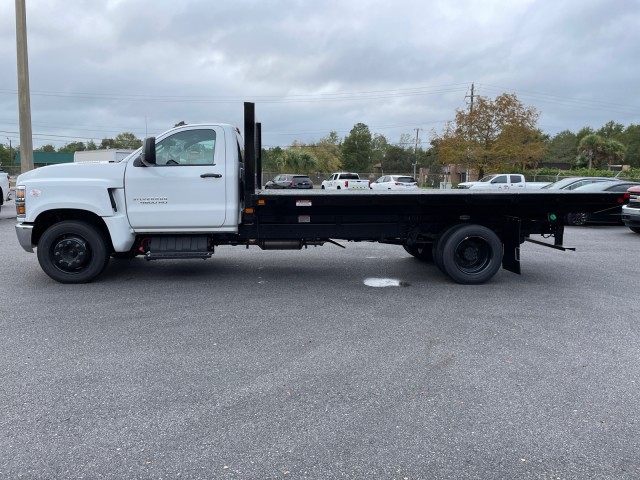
(375, 214)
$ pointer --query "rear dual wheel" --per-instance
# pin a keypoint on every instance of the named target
(469, 254)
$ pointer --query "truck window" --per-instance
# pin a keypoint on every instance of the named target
(516, 179)
(500, 179)
(193, 147)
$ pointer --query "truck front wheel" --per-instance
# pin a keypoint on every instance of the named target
(471, 254)
(72, 252)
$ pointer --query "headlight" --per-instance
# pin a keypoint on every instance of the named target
(21, 209)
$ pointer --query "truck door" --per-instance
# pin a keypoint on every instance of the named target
(333, 181)
(186, 188)
(517, 181)
(500, 182)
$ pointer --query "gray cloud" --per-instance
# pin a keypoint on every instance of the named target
(98, 69)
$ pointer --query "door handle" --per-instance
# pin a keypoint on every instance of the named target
(211, 175)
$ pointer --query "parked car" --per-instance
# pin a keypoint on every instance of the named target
(394, 182)
(572, 183)
(288, 180)
(613, 215)
(4, 187)
(631, 212)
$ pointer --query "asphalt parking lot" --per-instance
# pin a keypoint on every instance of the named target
(269, 365)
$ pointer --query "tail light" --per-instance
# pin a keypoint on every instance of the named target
(346, 184)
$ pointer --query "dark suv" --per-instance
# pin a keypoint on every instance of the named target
(289, 180)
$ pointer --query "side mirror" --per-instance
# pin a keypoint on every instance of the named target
(148, 155)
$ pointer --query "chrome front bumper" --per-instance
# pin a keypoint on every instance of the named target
(24, 236)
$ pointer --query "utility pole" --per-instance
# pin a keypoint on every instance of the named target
(471, 97)
(415, 154)
(24, 103)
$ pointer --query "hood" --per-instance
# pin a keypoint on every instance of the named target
(109, 174)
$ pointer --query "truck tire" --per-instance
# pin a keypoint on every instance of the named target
(471, 254)
(439, 244)
(577, 219)
(423, 252)
(73, 252)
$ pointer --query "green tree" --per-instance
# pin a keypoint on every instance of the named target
(597, 152)
(583, 132)
(45, 148)
(270, 159)
(297, 160)
(357, 149)
(631, 138)
(379, 147)
(398, 160)
(72, 147)
(495, 136)
(327, 153)
(611, 130)
(562, 148)
(125, 140)
(5, 155)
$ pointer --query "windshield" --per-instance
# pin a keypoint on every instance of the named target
(406, 179)
(604, 186)
(487, 178)
(576, 182)
(560, 184)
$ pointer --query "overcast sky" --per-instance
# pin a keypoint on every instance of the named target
(99, 68)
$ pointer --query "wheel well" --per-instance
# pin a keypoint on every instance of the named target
(51, 217)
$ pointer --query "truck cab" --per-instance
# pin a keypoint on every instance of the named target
(192, 184)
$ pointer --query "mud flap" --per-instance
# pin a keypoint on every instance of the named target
(511, 243)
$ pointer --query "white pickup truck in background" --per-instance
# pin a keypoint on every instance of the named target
(502, 181)
(344, 180)
(4, 187)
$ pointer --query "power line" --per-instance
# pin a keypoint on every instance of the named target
(287, 98)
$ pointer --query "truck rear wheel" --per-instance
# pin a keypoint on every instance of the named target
(422, 251)
(439, 244)
(470, 254)
(577, 219)
(73, 252)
